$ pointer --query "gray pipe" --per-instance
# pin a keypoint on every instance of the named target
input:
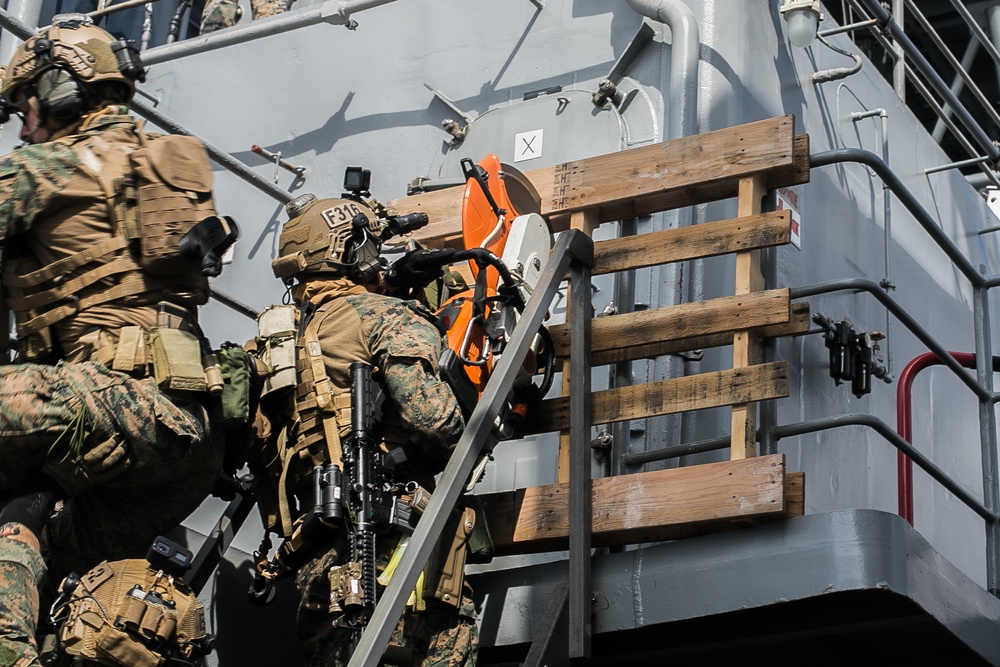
(334, 12)
(25, 12)
(993, 18)
(22, 31)
(887, 432)
(220, 156)
(682, 114)
(681, 121)
(971, 49)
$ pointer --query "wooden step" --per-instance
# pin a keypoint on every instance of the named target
(707, 239)
(641, 181)
(651, 506)
(694, 392)
(627, 336)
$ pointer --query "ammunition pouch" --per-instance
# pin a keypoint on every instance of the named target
(177, 360)
(275, 347)
(129, 615)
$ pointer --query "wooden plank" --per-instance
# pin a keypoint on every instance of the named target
(640, 181)
(747, 345)
(794, 505)
(795, 494)
(705, 240)
(798, 323)
(643, 507)
(726, 314)
(693, 392)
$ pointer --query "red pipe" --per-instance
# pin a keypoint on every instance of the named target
(904, 423)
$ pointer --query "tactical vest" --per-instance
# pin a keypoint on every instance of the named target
(312, 418)
(128, 615)
(154, 193)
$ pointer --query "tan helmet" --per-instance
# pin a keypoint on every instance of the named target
(320, 237)
(71, 64)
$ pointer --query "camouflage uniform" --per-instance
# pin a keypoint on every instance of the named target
(422, 416)
(134, 461)
(21, 569)
(219, 14)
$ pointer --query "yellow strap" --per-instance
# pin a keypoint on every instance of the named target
(397, 555)
(418, 594)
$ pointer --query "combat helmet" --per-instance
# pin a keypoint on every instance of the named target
(330, 236)
(72, 66)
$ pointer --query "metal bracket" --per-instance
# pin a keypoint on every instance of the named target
(451, 105)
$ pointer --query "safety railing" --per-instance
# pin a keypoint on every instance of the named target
(982, 386)
(941, 96)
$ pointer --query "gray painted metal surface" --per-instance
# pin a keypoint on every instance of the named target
(810, 557)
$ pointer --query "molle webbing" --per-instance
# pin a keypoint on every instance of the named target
(64, 266)
(319, 413)
(115, 268)
(133, 283)
(124, 610)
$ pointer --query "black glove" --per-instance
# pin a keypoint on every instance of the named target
(29, 508)
(418, 268)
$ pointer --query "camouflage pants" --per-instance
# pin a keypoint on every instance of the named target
(133, 460)
(21, 568)
(439, 636)
(219, 14)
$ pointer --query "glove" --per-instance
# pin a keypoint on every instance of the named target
(418, 268)
(30, 509)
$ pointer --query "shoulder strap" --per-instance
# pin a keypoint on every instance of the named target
(322, 386)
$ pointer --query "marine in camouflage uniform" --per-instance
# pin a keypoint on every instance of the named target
(131, 460)
(21, 570)
(219, 14)
(420, 416)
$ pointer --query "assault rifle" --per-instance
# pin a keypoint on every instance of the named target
(368, 491)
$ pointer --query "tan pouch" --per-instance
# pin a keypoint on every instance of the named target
(276, 331)
(174, 178)
(117, 648)
(177, 360)
(448, 571)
